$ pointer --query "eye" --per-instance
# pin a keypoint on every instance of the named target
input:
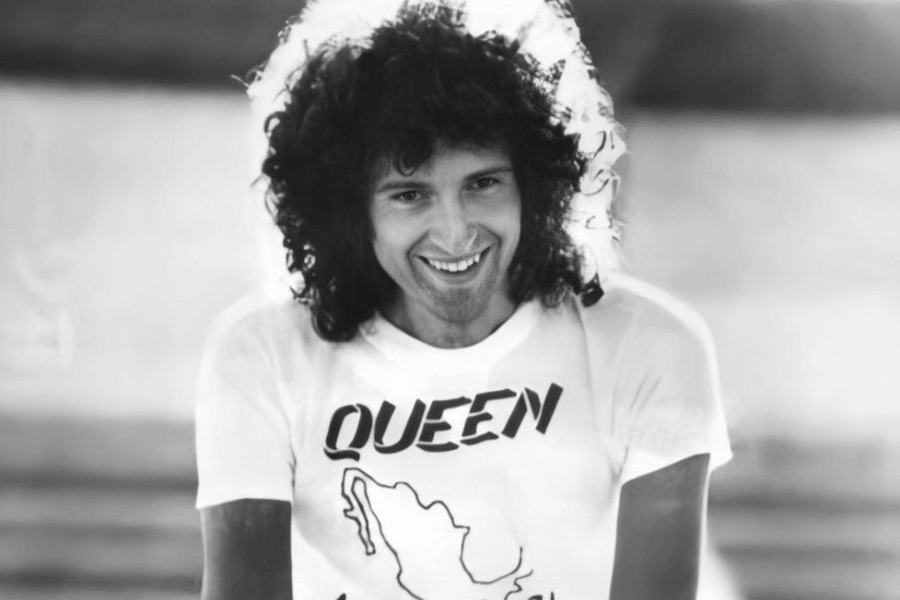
(484, 183)
(407, 196)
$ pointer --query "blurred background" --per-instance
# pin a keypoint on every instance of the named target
(762, 187)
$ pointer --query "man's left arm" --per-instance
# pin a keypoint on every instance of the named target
(659, 533)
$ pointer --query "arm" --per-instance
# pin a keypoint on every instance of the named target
(659, 532)
(244, 451)
(247, 550)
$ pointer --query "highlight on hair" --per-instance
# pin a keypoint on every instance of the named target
(418, 83)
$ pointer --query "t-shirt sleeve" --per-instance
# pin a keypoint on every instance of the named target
(242, 429)
(668, 407)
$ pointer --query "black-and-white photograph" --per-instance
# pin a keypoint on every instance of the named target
(450, 300)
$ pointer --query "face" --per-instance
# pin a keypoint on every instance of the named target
(446, 234)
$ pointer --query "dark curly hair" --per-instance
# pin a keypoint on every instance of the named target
(419, 82)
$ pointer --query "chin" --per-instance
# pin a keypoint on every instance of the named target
(457, 307)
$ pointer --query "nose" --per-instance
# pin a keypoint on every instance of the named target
(452, 228)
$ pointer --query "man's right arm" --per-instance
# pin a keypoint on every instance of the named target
(247, 550)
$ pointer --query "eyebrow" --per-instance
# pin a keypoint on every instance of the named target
(407, 184)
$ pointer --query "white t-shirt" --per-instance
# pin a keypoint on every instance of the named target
(490, 472)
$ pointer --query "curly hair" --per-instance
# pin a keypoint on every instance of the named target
(419, 82)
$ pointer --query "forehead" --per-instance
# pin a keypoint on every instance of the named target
(446, 160)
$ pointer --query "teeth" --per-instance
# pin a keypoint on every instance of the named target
(454, 267)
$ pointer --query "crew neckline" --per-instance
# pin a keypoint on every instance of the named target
(401, 346)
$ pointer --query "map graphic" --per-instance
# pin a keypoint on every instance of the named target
(425, 540)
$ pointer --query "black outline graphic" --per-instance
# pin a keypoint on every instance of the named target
(359, 514)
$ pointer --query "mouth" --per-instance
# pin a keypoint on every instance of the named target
(456, 268)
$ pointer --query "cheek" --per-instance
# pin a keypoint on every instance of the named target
(509, 221)
(390, 242)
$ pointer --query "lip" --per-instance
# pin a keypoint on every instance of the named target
(456, 277)
(455, 258)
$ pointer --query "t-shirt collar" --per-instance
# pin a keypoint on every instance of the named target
(398, 345)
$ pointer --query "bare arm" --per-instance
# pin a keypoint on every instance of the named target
(247, 550)
(659, 532)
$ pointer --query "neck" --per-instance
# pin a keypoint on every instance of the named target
(441, 332)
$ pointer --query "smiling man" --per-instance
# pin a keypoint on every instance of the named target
(449, 409)
(446, 235)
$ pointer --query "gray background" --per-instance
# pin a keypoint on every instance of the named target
(762, 187)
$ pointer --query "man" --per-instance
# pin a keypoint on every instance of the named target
(447, 413)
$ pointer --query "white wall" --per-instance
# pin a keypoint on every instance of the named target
(781, 231)
(141, 195)
(784, 233)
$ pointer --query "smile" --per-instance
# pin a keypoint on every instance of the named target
(461, 266)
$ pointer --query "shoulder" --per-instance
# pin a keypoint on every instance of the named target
(638, 323)
(263, 324)
(641, 312)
